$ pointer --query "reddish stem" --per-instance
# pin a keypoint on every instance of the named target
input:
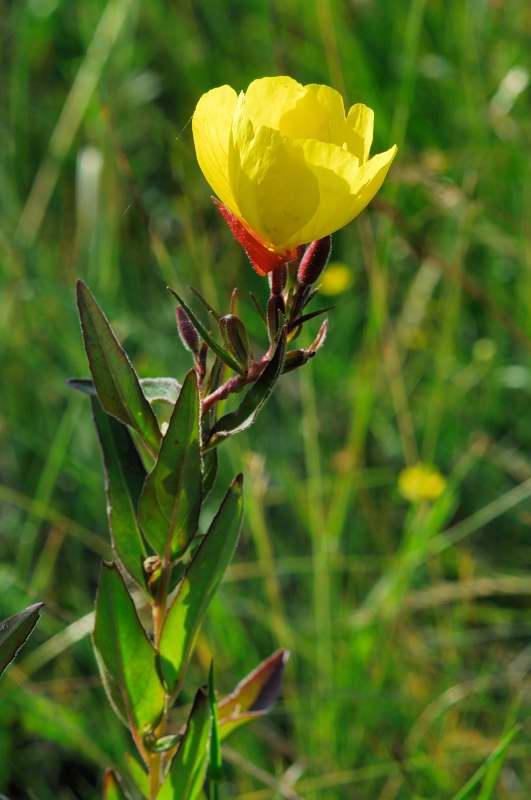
(236, 383)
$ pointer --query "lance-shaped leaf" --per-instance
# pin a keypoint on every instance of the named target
(198, 587)
(164, 390)
(215, 767)
(170, 503)
(210, 470)
(14, 631)
(113, 788)
(254, 695)
(207, 336)
(114, 376)
(124, 479)
(126, 654)
(188, 768)
(137, 774)
(254, 400)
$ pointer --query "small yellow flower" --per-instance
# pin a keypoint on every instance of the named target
(286, 160)
(336, 279)
(421, 482)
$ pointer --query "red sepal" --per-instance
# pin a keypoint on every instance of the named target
(262, 259)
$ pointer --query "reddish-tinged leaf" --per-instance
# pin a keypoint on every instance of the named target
(254, 695)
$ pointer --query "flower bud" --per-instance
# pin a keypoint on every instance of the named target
(277, 279)
(295, 359)
(187, 332)
(235, 335)
(314, 261)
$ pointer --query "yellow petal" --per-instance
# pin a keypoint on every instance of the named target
(345, 188)
(319, 114)
(267, 99)
(300, 112)
(275, 190)
(211, 127)
(360, 127)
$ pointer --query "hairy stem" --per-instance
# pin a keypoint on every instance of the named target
(236, 383)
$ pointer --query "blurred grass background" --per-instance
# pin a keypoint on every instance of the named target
(409, 625)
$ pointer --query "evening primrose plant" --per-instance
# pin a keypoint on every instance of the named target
(289, 167)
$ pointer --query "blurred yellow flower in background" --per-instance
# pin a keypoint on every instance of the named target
(421, 482)
(286, 159)
(336, 280)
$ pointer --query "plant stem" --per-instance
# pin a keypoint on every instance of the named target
(159, 615)
(236, 383)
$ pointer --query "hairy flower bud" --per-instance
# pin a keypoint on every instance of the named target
(314, 261)
(187, 332)
(277, 279)
(295, 359)
(235, 335)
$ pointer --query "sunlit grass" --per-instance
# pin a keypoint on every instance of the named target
(408, 623)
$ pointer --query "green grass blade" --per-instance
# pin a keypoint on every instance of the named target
(171, 499)
(114, 376)
(124, 479)
(14, 631)
(126, 653)
(198, 587)
(495, 759)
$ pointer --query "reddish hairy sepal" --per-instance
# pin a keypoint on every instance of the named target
(262, 259)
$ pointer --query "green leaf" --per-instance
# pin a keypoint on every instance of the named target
(188, 768)
(254, 400)
(164, 390)
(161, 390)
(137, 774)
(207, 336)
(170, 502)
(114, 376)
(216, 762)
(14, 631)
(254, 695)
(210, 470)
(497, 757)
(198, 587)
(126, 654)
(112, 786)
(124, 479)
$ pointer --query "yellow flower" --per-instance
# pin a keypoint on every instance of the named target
(286, 160)
(421, 482)
(337, 279)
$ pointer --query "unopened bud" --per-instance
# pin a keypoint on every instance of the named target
(314, 261)
(277, 279)
(235, 335)
(187, 332)
(276, 310)
(295, 359)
